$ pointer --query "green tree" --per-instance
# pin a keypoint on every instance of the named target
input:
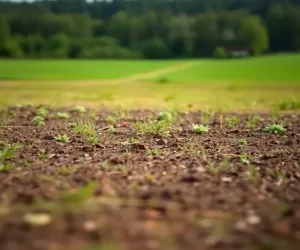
(4, 33)
(59, 46)
(254, 35)
(283, 21)
(181, 36)
(220, 52)
(206, 32)
(119, 27)
(155, 49)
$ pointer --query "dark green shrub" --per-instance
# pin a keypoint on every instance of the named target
(220, 52)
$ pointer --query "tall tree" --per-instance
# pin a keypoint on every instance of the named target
(4, 32)
(254, 35)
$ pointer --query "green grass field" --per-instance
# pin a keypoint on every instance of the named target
(270, 69)
(76, 69)
(232, 85)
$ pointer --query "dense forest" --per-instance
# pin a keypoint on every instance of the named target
(147, 28)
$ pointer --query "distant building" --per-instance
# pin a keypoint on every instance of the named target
(237, 51)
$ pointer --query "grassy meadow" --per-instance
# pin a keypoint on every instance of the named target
(270, 69)
(254, 84)
(76, 69)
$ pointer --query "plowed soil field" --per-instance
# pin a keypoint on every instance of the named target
(126, 181)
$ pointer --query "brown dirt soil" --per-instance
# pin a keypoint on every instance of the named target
(113, 195)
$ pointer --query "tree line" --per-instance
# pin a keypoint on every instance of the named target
(147, 29)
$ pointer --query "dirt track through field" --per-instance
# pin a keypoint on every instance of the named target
(155, 73)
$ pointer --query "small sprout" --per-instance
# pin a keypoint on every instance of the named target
(71, 124)
(206, 117)
(152, 152)
(244, 158)
(122, 167)
(213, 168)
(231, 122)
(200, 128)
(79, 109)
(112, 129)
(242, 141)
(87, 129)
(6, 154)
(9, 150)
(110, 119)
(62, 138)
(165, 116)
(80, 195)
(153, 127)
(62, 115)
(251, 123)
(26, 164)
(133, 140)
(92, 140)
(42, 111)
(224, 165)
(253, 172)
(5, 167)
(275, 129)
(38, 121)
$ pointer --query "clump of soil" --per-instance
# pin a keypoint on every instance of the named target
(233, 187)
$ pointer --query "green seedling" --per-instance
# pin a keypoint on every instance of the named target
(79, 109)
(62, 138)
(242, 141)
(93, 140)
(244, 158)
(213, 168)
(7, 153)
(86, 129)
(62, 115)
(153, 127)
(165, 116)
(81, 194)
(26, 164)
(252, 122)
(224, 165)
(72, 124)
(122, 167)
(38, 121)
(206, 117)
(253, 172)
(152, 152)
(199, 129)
(275, 129)
(112, 129)
(231, 122)
(216, 168)
(111, 119)
(42, 111)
